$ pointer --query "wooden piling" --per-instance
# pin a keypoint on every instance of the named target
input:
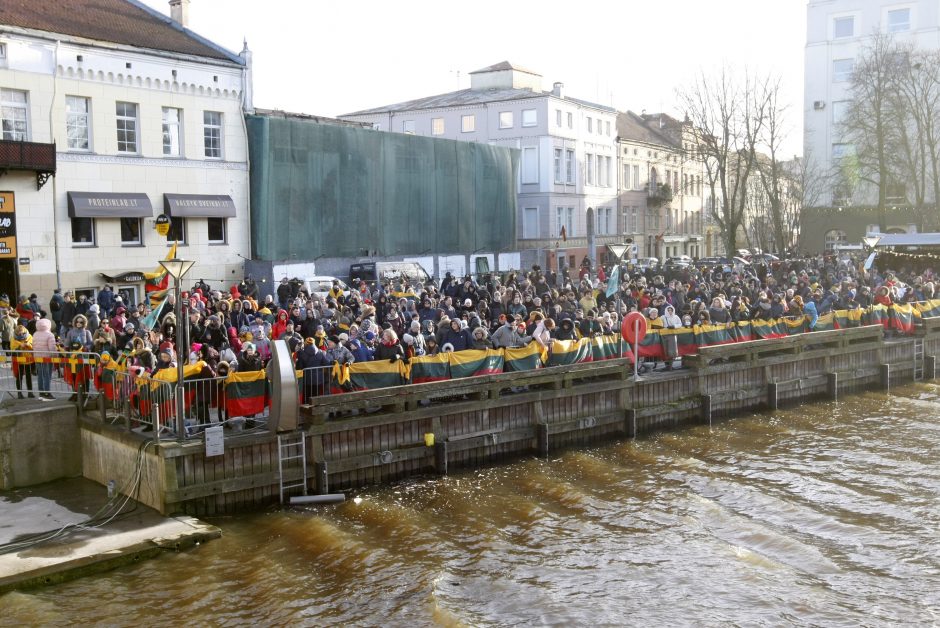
(832, 386)
(930, 367)
(773, 401)
(884, 377)
(541, 430)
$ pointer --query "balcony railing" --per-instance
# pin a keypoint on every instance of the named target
(34, 156)
(659, 195)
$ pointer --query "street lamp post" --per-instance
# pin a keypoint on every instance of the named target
(177, 268)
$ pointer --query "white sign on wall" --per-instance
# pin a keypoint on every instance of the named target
(215, 441)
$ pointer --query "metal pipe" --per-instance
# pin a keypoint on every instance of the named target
(329, 498)
(180, 395)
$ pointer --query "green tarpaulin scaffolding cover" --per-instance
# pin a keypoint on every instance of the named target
(328, 189)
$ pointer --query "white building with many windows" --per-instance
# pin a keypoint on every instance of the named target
(837, 32)
(568, 179)
(113, 114)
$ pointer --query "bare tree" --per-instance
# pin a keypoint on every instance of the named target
(871, 120)
(729, 115)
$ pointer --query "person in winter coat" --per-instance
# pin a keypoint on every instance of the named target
(565, 331)
(336, 352)
(511, 335)
(93, 318)
(389, 348)
(214, 335)
(310, 361)
(248, 359)
(279, 325)
(457, 337)
(481, 339)
(22, 344)
(78, 333)
(361, 351)
(104, 338)
(44, 347)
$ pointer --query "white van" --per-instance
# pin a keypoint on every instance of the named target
(373, 272)
(320, 285)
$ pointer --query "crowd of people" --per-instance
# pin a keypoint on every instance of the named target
(232, 330)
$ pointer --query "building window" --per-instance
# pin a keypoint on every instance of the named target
(899, 20)
(3, 52)
(437, 126)
(558, 165)
(76, 122)
(212, 133)
(839, 109)
(408, 126)
(570, 120)
(835, 237)
(468, 124)
(130, 231)
(564, 217)
(636, 177)
(558, 117)
(530, 164)
(177, 232)
(505, 119)
(171, 131)
(590, 124)
(217, 232)
(83, 231)
(569, 166)
(530, 117)
(843, 27)
(126, 127)
(840, 150)
(842, 70)
(530, 223)
(13, 114)
(626, 176)
(607, 128)
(589, 162)
(602, 219)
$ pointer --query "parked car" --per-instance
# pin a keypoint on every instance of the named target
(320, 285)
(373, 272)
(645, 263)
(677, 263)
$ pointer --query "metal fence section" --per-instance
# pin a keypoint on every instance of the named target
(23, 374)
(314, 382)
(145, 405)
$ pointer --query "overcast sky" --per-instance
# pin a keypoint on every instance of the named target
(329, 58)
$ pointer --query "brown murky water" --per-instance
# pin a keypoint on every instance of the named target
(826, 514)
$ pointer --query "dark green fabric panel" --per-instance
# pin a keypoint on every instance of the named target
(326, 189)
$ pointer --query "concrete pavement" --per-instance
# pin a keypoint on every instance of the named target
(136, 533)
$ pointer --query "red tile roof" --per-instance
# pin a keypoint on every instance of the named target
(116, 21)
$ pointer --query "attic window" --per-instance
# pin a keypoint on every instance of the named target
(128, 65)
(3, 51)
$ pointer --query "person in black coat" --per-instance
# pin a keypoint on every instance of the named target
(389, 348)
(310, 360)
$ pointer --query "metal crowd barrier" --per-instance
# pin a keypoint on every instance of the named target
(23, 374)
(314, 382)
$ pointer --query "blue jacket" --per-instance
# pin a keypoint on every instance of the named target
(809, 308)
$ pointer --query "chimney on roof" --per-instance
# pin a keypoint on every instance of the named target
(558, 89)
(179, 12)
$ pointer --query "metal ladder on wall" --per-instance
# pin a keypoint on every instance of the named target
(291, 447)
(918, 359)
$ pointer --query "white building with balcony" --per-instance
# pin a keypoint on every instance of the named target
(568, 178)
(113, 114)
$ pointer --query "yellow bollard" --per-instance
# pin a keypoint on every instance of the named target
(429, 439)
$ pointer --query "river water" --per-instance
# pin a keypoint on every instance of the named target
(825, 514)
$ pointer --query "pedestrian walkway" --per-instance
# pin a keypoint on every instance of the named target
(97, 533)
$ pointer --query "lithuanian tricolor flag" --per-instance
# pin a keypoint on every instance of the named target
(475, 362)
(246, 393)
(159, 279)
(566, 352)
(707, 335)
(795, 324)
(825, 322)
(430, 368)
(768, 328)
(928, 309)
(524, 358)
(605, 347)
(378, 374)
(901, 317)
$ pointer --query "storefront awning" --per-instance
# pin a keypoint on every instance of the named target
(199, 206)
(109, 205)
